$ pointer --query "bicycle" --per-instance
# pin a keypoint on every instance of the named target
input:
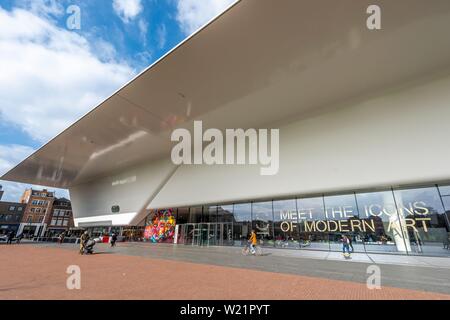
(247, 251)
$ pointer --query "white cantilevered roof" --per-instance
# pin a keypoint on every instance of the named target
(262, 62)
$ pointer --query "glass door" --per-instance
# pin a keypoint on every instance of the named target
(187, 234)
(206, 234)
(225, 234)
(203, 234)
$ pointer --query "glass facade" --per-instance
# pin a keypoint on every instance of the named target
(413, 221)
(262, 222)
(383, 232)
(242, 218)
(310, 212)
(286, 227)
(424, 218)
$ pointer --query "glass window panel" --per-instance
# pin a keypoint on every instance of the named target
(444, 190)
(446, 201)
(341, 212)
(183, 215)
(225, 213)
(286, 224)
(195, 215)
(380, 223)
(210, 214)
(262, 216)
(310, 213)
(423, 220)
(226, 228)
(242, 213)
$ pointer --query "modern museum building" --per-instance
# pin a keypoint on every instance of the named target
(363, 117)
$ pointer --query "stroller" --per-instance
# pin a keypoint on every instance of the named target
(89, 247)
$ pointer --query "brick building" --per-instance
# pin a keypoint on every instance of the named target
(10, 216)
(61, 217)
(38, 211)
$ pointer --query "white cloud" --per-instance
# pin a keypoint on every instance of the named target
(192, 14)
(143, 29)
(11, 155)
(14, 190)
(44, 8)
(162, 36)
(127, 10)
(50, 76)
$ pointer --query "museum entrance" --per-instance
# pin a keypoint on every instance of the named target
(206, 234)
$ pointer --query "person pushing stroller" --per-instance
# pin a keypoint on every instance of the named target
(83, 240)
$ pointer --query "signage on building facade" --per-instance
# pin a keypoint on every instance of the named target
(345, 218)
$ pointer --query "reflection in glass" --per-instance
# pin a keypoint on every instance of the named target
(262, 216)
(444, 190)
(425, 224)
(446, 202)
(286, 224)
(402, 221)
(226, 220)
(382, 231)
(311, 212)
(183, 215)
(210, 214)
(342, 218)
(195, 214)
(225, 213)
(242, 216)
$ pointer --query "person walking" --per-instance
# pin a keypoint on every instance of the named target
(10, 237)
(345, 245)
(447, 243)
(61, 237)
(350, 243)
(113, 239)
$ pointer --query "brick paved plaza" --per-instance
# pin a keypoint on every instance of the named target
(139, 271)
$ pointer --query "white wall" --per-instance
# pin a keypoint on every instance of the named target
(131, 190)
(398, 138)
(395, 139)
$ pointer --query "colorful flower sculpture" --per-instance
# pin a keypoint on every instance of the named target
(162, 228)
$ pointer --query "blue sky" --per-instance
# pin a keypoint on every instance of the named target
(51, 75)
